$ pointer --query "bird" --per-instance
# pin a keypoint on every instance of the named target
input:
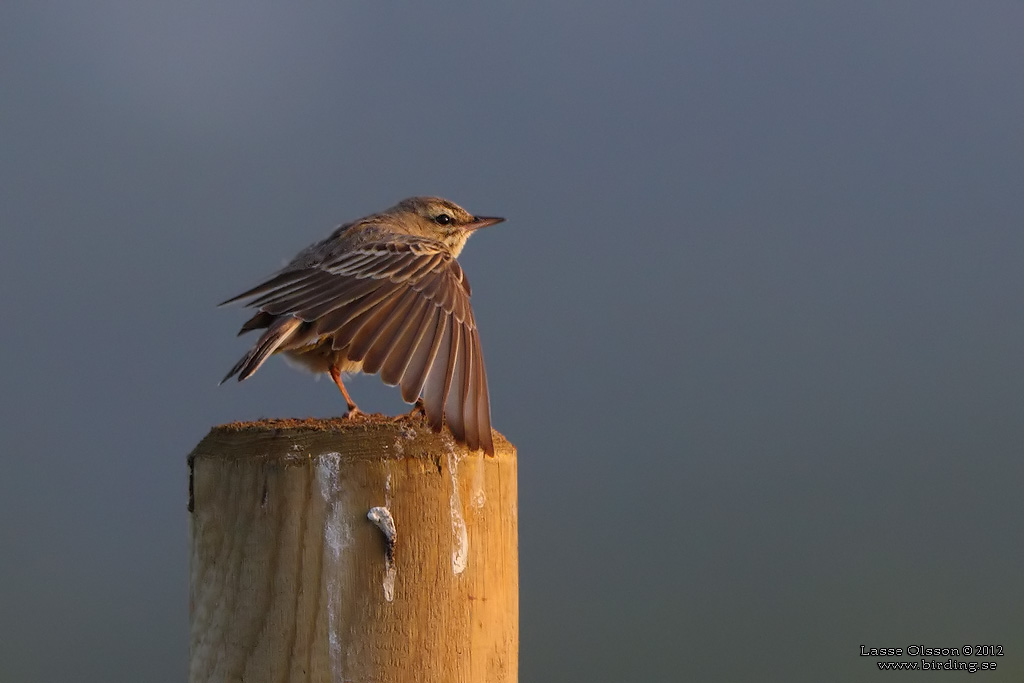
(383, 294)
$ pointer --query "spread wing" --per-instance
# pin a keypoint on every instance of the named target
(402, 308)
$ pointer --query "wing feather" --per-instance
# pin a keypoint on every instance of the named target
(344, 293)
(455, 401)
(309, 280)
(400, 307)
(280, 280)
(415, 372)
(388, 333)
(468, 383)
(481, 400)
(401, 351)
(372, 338)
(345, 321)
(438, 380)
(423, 361)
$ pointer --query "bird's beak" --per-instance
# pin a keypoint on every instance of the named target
(483, 222)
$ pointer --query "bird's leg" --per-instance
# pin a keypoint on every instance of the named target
(336, 376)
(418, 410)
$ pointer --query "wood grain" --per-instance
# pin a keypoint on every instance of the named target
(290, 581)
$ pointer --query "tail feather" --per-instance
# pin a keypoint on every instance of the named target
(280, 331)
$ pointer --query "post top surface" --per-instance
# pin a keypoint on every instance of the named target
(364, 435)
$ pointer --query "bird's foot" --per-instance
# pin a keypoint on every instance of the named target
(418, 410)
(353, 412)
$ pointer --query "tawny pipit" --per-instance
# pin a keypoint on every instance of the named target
(384, 294)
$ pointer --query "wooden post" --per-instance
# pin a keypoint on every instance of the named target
(298, 575)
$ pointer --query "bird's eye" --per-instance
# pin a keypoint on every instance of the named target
(442, 219)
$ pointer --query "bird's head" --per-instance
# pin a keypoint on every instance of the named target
(440, 219)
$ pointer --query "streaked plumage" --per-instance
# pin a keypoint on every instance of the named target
(384, 294)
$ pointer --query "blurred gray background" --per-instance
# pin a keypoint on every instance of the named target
(755, 322)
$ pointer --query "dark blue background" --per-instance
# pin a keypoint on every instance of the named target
(755, 321)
